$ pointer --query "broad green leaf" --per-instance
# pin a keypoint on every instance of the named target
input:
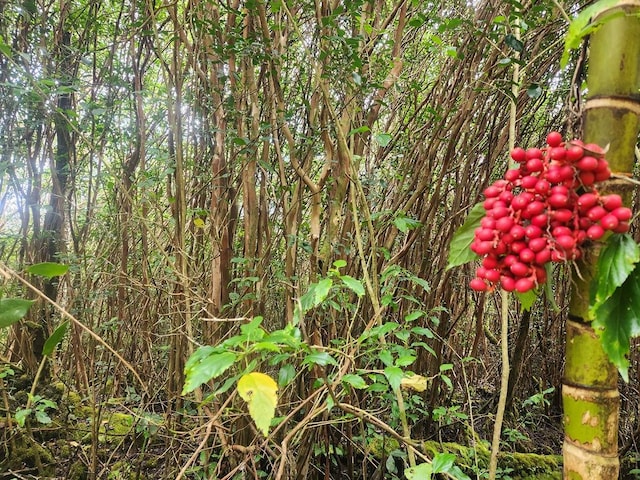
(459, 251)
(616, 261)
(209, 367)
(405, 360)
(252, 330)
(534, 90)
(42, 417)
(260, 391)
(617, 319)
(404, 224)
(319, 358)
(513, 43)
(48, 269)
(356, 381)
(13, 310)
(419, 472)
(443, 462)
(424, 331)
(581, 26)
(394, 376)
(340, 263)
(54, 339)
(416, 314)
(386, 357)
(353, 284)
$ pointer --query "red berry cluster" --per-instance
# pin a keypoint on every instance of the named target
(542, 212)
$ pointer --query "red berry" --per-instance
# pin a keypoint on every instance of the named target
(557, 153)
(529, 181)
(478, 285)
(587, 178)
(611, 202)
(623, 227)
(566, 242)
(527, 255)
(543, 256)
(574, 153)
(510, 260)
(542, 186)
(533, 153)
(595, 232)
(563, 215)
(517, 232)
(498, 212)
(537, 244)
(521, 201)
(482, 248)
(489, 262)
(485, 234)
(587, 200)
(602, 175)
(508, 283)
(554, 175)
(561, 231)
(609, 222)
(519, 269)
(518, 154)
(533, 231)
(622, 213)
(587, 164)
(535, 208)
(504, 224)
(567, 172)
(492, 191)
(506, 196)
(558, 200)
(554, 139)
(535, 165)
(488, 222)
(512, 175)
(596, 213)
(492, 275)
(517, 247)
(541, 220)
(524, 285)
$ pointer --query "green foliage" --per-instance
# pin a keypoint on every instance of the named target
(615, 299)
(54, 339)
(38, 408)
(584, 25)
(13, 310)
(459, 251)
(48, 269)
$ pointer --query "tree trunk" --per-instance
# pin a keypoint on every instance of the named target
(590, 395)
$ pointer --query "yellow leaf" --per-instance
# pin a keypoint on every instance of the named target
(414, 382)
(260, 391)
(198, 222)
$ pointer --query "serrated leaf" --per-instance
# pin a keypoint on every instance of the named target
(419, 472)
(386, 357)
(208, 367)
(48, 269)
(13, 310)
(54, 339)
(581, 26)
(459, 251)
(21, 416)
(616, 261)
(260, 391)
(527, 299)
(394, 376)
(353, 284)
(617, 319)
(356, 381)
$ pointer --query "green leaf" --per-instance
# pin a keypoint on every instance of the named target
(319, 358)
(419, 472)
(286, 375)
(205, 369)
(322, 290)
(4, 48)
(386, 357)
(459, 251)
(260, 391)
(356, 381)
(353, 284)
(48, 269)
(581, 26)
(443, 462)
(534, 90)
(54, 339)
(527, 299)
(42, 417)
(617, 319)
(404, 224)
(383, 139)
(13, 310)
(394, 376)
(616, 261)
(21, 416)
(513, 43)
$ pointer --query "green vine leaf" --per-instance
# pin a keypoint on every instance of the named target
(617, 320)
(459, 251)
